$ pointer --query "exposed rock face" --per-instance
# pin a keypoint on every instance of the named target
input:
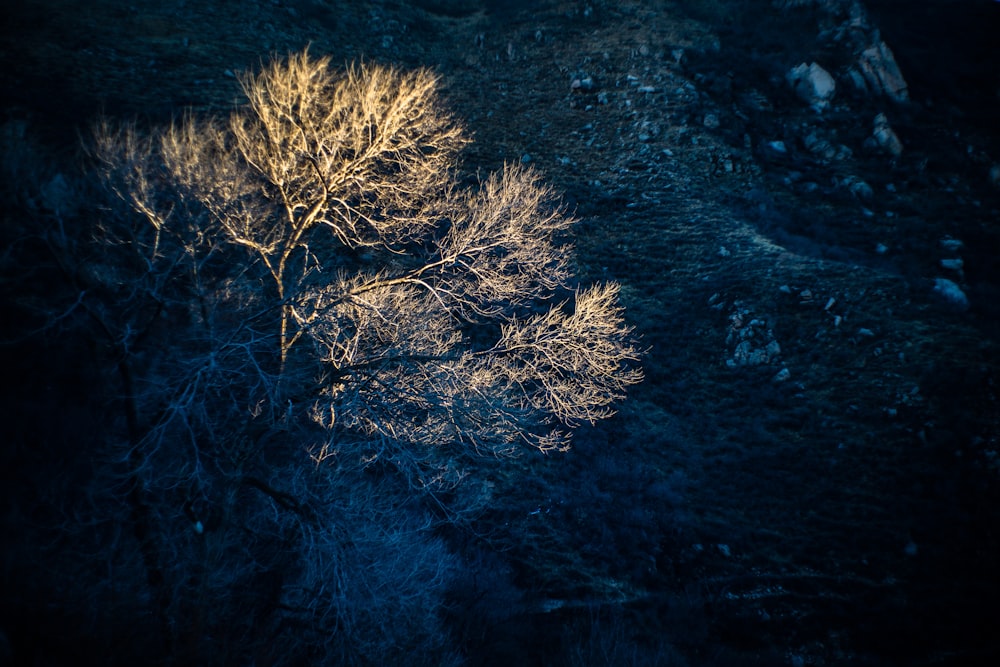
(813, 84)
(876, 73)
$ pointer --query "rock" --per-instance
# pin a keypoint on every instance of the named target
(743, 355)
(582, 84)
(824, 149)
(813, 84)
(857, 80)
(819, 147)
(860, 189)
(951, 293)
(885, 137)
(952, 264)
(875, 72)
(755, 343)
(951, 245)
(782, 376)
(756, 100)
(711, 121)
(879, 72)
(774, 149)
(995, 175)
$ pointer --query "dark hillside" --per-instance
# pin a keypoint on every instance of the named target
(809, 473)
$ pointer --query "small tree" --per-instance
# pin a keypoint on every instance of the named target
(307, 282)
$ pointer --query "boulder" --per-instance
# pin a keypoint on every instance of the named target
(813, 84)
(885, 137)
(876, 73)
(950, 292)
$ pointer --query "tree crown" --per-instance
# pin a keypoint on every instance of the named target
(329, 264)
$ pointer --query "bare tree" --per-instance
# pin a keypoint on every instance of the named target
(302, 293)
(434, 315)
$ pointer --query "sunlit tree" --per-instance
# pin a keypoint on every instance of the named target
(303, 300)
(428, 315)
